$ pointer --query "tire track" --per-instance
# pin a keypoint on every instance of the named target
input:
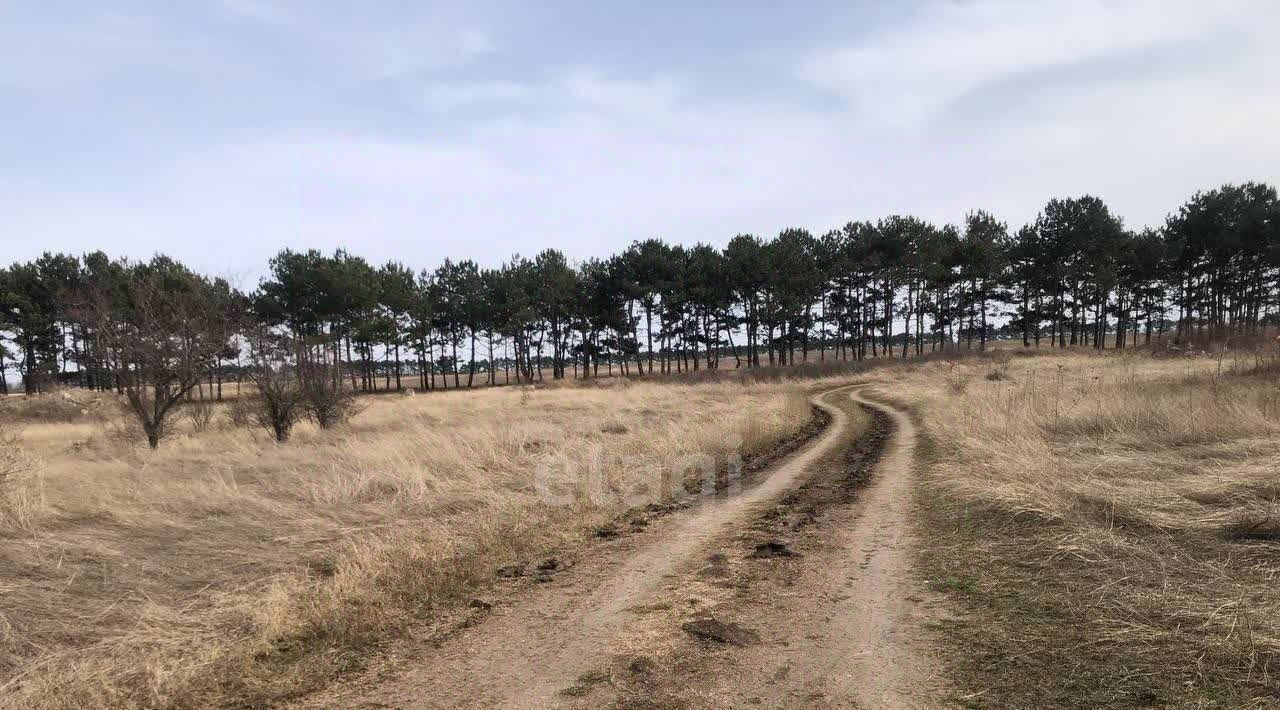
(834, 622)
(526, 654)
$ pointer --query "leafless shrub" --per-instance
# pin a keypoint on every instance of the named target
(957, 380)
(998, 373)
(324, 398)
(240, 412)
(200, 413)
(280, 402)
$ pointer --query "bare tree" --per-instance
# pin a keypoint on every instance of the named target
(327, 402)
(159, 328)
(273, 369)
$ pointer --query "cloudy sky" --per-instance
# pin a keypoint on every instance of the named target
(221, 131)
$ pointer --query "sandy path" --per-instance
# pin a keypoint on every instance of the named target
(843, 632)
(524, 654)
(880, 623)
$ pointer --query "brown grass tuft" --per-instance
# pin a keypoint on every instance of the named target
(1108, 525)
(21, 483)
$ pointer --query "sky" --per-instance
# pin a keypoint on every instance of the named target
(221, 131)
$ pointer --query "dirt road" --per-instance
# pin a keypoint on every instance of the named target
(840, 626)
(825, 629)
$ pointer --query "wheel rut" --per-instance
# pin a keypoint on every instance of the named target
(807, 571)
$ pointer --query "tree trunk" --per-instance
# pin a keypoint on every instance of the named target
(471, 366)
(398, 386)
(648, 333)
(982, 322)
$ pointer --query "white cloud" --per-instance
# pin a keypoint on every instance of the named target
(588, 159)
(582, 92)
(390, 42)
(609, 160)
(263, 11)
(446, 97)
(903, 76)
(44, 54)
(637, 98)
(474, 43)
(584, 182)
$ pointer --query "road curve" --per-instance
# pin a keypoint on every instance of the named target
(528, 651)
(845, 632)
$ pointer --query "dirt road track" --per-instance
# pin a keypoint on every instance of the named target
(526, 653)
(842, 629)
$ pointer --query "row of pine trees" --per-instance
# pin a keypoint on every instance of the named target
(901, 285)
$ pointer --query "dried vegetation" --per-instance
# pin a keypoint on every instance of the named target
(1110, 526)
(226, 569)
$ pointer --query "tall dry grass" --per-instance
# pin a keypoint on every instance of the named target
(1117, 520)
(226, 569)
(21, 482)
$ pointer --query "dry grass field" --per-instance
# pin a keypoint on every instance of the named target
(1107, 526)
(1105, 529)
(226, 569)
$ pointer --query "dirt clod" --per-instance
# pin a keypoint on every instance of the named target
(550, 564)
(607, 532)
(773, 548)
(717, 567)
(510, 571)
(720, 632)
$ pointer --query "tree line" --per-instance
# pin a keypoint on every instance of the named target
(155, 330)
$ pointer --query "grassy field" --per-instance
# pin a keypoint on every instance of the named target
(1108, 527)
(226, 569)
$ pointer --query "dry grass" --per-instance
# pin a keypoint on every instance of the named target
(1110, 525)
(21, 482)
(225, 569)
